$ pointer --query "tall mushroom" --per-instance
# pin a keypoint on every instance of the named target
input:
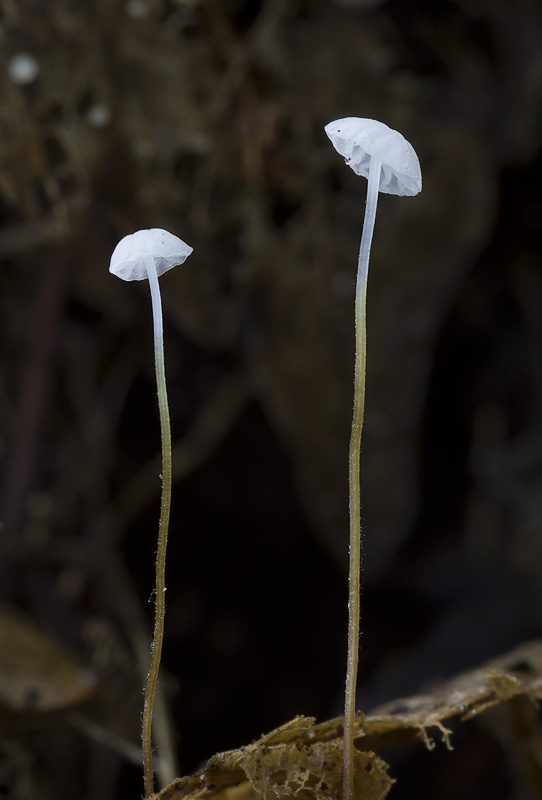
(147, 254)
(391, 165)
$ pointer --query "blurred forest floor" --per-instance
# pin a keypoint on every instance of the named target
(206, 118)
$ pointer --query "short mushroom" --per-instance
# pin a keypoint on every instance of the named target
(147, 254)
(391, 165)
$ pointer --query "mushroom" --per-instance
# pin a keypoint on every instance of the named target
(147, 254)
(391, 165)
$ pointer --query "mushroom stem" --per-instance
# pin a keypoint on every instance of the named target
(160, 597)
(354, 480)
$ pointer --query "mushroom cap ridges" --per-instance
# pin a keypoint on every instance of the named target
(358, 140)
(129, 256)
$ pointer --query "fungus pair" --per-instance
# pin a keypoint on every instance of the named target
(391, 165)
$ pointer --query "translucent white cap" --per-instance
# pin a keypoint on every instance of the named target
(166, 250)
(358, 140)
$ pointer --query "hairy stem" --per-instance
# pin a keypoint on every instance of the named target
(160, 600)
(354, 481)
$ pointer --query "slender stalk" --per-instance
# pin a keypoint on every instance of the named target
(354, 481)
(160, 599)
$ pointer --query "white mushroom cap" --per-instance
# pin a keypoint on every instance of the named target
(129, 256)
(358, 140)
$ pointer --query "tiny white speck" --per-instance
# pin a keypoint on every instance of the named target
(23, 68)
(99, 116)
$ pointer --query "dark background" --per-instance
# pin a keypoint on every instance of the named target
(206, 118)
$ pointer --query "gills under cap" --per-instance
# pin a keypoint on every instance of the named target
(129, 256)
(358, 140)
